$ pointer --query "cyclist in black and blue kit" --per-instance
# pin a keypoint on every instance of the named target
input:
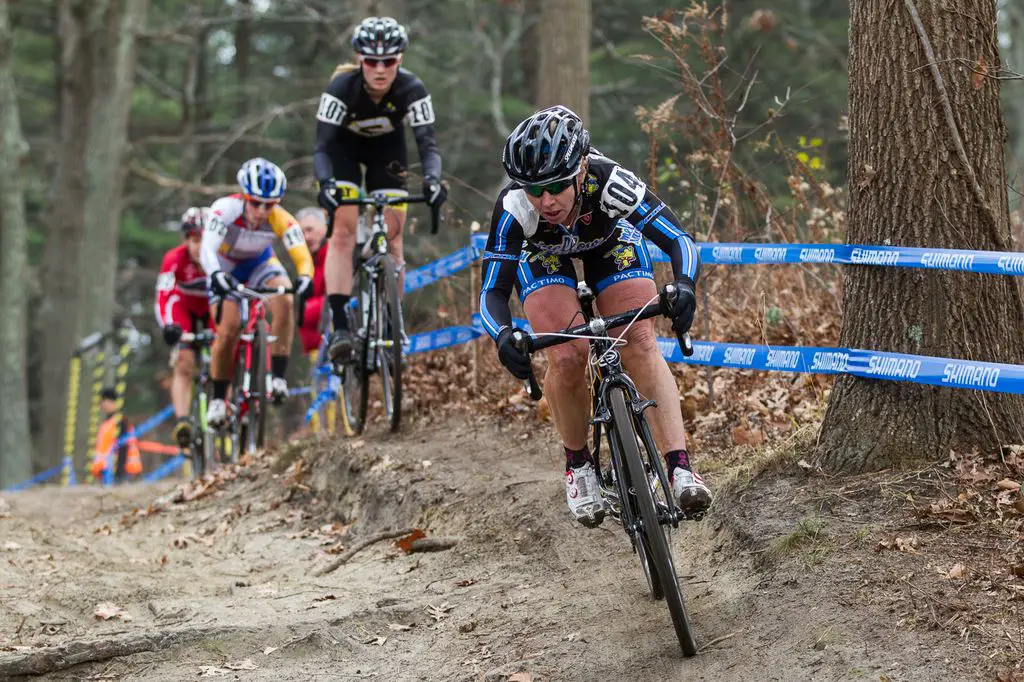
(361, 122)
(567, 201)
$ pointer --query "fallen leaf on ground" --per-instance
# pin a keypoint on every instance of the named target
(520, 677)
(900, 544)
(108, 610)
(405, 544)
(246, 664)
(379, 641)
(212, 671)
(439, 612)
(269, 650)
(1008, 484)
(957, 571)
(465, 583)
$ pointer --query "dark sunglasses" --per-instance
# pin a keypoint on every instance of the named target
(386, 62)
(551, 188)
(262, 204)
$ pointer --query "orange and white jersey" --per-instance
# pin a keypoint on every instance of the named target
(228, 238)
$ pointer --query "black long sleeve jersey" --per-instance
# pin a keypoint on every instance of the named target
(614, 201)
(346, 109)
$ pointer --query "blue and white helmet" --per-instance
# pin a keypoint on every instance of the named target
(261, 179)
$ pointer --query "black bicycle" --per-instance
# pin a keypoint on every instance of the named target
(375, 316)
(635, 484)
(202, 450)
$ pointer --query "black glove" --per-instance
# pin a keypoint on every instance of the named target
(303, 288)
(172, 334)
(222, 283)
(328, 196)
(684, 306)
(434, 191)
(516, 361)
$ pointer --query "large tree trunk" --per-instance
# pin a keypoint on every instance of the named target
(114, 75)
(563, 55)
(243, 52)
(910, 187)
(58, 315)
(1013, 97)
(15, 443)
(529, 47)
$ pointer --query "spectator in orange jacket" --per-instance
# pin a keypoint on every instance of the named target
(127, 460)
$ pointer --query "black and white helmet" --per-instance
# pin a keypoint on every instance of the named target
(547, 147)
(380, 37)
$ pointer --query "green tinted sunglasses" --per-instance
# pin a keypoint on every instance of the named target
(551, 188)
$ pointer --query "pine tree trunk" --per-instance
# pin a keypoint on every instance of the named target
(15, 443)
(909, 187)
(563, 55)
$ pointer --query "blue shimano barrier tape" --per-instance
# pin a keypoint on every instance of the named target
(439, 269)
(982, 262)
(41, 477)
(441, 338)
(165, 469)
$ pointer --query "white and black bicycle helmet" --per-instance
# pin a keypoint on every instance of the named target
(380, 37)
(547, 147)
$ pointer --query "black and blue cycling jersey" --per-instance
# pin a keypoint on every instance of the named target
(617, 211)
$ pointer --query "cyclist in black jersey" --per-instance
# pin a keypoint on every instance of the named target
(361, 122)
(566, 201)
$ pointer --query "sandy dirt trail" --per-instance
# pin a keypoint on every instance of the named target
(224, 586)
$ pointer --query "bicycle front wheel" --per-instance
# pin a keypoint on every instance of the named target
(389, 340)
(355, 377)
(655, 542)
(258, 389)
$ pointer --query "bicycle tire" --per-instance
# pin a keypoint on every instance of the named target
(257, 425)
(197, 448)
(355, 380)
(237, 430)
(651, 528)
(389, 346)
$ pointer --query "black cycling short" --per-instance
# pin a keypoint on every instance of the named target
(385, 158)
(623, 256)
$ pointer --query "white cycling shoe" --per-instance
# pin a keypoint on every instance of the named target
(692, 495)
(583, 493)
(217, 413)
(278, 389)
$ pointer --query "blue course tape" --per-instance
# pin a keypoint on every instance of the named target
(41, 477)
(441, 338)
(165, 469)
(918, 369)
(985, 262)
(439, 269)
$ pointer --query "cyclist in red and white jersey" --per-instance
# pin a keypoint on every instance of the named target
(181, 309)
(237, 248)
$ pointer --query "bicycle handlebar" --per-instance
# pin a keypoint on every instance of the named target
(379, 201)
(528, 343)
(205, 337)
(260, 293)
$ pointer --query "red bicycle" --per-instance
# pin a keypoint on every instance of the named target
(250, 387)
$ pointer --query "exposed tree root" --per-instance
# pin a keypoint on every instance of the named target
(52, 658)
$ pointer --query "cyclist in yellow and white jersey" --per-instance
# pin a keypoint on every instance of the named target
(238, 248)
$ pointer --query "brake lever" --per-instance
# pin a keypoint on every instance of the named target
(522, 342)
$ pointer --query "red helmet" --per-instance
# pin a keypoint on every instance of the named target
(193, 220)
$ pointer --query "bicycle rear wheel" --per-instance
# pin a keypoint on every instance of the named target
(389, 337)
(355, 378)
(658, 552)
